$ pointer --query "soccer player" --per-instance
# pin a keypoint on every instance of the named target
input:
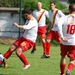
(54, 15)
(40, 15)
(25, 42)
(66, 29)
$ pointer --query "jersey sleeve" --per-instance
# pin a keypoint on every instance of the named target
(60, 13)
(47, 14)
(29, 25)
(60, 26)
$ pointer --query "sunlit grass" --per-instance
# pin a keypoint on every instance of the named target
(39, 66)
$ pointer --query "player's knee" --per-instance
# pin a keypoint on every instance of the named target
(18, 51)
(12, 48)
(43, 40)
(48, 40)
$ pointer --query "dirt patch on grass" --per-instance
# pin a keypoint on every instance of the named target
(7, 40)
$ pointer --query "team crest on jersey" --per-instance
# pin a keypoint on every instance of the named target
(71, 21)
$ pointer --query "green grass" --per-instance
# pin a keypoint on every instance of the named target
(38, 66)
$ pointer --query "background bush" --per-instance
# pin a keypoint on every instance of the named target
(71, 1)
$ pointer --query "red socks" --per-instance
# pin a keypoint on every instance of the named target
(70, 66)
(62, 68)
(23, 59)
(47, 49)
(7, 54)
(44, 46)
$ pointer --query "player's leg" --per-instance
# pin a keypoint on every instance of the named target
(24, 46)
(33, 49)
(8, 54)
(62, 65)
(10, 51)
(71, 55)
(22, 57)
(44, 45)
(12, 48)
(47, 52)
(63, 53)
(70, 67)
(42, 35)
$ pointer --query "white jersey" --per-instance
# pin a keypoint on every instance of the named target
(31, 27)
(66, 28)
(42, 21)
(57, 17)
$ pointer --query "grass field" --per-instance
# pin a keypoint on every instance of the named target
(39, 66)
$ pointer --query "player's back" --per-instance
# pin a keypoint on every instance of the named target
(69, 29)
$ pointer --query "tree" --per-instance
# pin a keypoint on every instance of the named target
(71, 1)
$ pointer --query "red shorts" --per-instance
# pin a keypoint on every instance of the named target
(54, 35)
(42, 31)
(68, 50)
(24, 43)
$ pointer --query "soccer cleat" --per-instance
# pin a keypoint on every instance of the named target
(26, 66)
(68, 72)
(44, 56)
(33, 51)
(5, 63)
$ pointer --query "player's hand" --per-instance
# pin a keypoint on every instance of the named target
(15, 24)
(64, 39)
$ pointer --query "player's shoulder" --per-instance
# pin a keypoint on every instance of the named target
(34, 19)
(59, 11)
(68, 16)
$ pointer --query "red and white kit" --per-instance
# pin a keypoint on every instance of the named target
(41, 16)
(67, 31)
(53, 33)
(29, 35)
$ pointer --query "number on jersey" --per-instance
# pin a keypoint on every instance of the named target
(70, 29)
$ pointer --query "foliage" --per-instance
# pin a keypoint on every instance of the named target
(32, 4)
(71, 1)
(29, 4)
(9, 3)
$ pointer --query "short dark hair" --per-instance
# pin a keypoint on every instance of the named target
(72, 7)
(27, 11)
(53, 3)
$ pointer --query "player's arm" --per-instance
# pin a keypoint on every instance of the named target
(47, 25)
(28, 26)
(64, 39)
(47, 14)
(61, 13)
(18, 26)
(60, 27)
